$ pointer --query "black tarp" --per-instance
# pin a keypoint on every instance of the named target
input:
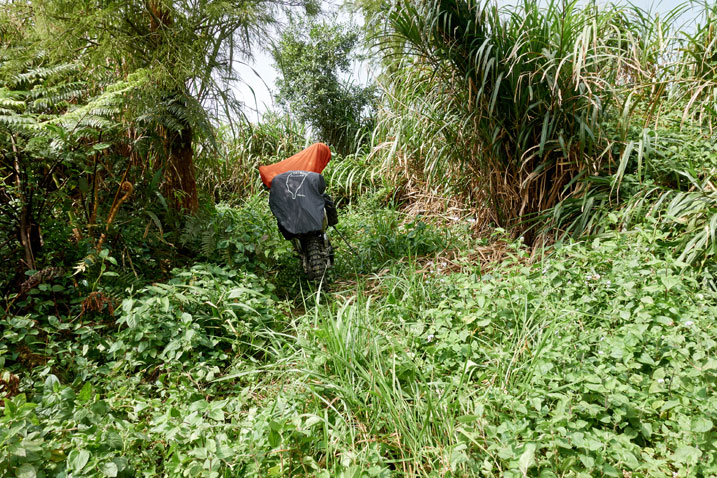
(297, 200)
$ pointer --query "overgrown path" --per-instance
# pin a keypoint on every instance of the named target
(594, 358)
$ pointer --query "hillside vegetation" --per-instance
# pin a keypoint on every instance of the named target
(525, 279)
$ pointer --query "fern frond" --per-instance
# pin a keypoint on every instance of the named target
(14, 120)
(44, 73)
(56, 96)
(12, 99)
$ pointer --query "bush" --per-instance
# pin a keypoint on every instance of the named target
(197, 321)
(247, 236)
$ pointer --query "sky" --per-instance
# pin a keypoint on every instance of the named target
(257, 87)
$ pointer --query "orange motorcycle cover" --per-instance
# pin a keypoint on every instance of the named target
(313, 159)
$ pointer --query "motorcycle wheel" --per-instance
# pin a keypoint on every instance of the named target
(317, 257)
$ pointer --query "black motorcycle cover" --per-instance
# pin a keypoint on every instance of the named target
(297, 200)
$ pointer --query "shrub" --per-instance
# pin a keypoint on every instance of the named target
(197, 321)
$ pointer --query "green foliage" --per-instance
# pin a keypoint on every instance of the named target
(597, 356)
(237, 237)
(189, 47)
(380, 236)
(420, 359)
(310, 58)
(67, 167)
(229, 173)
(584, 354)
(86, 416)
(522, 107)
(514, 97)
(51, 138)
(201, 317)
(187, 53)
(36, 448)
(665, 183)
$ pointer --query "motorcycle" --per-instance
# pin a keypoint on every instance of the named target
(303, 210)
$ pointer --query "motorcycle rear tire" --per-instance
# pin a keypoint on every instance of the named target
(318, 258)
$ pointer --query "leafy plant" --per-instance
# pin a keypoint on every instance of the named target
(382, 236)
(169, 324)
(245, 236)
(310, 58)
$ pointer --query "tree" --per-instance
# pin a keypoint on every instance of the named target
(94, 96)
(187, 49)
(52, 134)
(310, 59)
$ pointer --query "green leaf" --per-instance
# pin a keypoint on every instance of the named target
(78, 459)
(274, 438)
(217, 414)
(527, 459)
(114, 440)
(588, 461)
(51, 384)
(110, 469)
(26, 471)
(669, 282)
(86, 393)
(702, 425)
(686, 454)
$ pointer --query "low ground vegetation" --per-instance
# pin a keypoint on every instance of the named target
(594, 357)
(576, 340)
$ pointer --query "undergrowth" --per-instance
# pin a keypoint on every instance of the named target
(158, 345)
(594, 358)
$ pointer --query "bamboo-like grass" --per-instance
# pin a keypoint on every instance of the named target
(521, 94)
(517, 106)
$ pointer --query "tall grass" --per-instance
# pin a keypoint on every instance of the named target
(700, 67)
(667, 166)
(230, 173)
(520, 108)
(512, 99)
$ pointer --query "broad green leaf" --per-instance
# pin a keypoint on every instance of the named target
(527, 458)
(217, 414)
(110, 469)
(114, 440)
(702, 425)
(86, 392)
(78, 459)
(686, 454)
(669, 281)
(26, 471)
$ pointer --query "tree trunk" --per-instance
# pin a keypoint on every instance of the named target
(180, 184)
(25, 220)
